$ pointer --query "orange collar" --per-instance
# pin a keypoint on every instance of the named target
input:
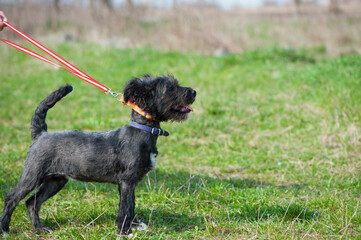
(137, 109)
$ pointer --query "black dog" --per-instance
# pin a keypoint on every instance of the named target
(122, 156)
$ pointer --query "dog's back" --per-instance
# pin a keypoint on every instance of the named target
(38, 124)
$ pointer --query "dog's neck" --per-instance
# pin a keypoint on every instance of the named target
(135, 117)
(147, 125)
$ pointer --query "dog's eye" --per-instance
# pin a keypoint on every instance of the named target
(171, 89)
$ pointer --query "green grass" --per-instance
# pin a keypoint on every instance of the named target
(272, 150)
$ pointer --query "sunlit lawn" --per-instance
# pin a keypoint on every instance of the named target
(271, 151)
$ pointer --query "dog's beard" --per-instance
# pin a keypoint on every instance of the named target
(179, 113)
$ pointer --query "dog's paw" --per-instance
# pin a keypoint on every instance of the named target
(139, 226)
(127, 236)
(43, 229)
(5, 231)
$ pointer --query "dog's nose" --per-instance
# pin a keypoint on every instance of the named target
(194, 93)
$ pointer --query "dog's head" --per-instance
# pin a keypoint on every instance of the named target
(162, 97)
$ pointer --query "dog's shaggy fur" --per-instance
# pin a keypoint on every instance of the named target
(122, 156)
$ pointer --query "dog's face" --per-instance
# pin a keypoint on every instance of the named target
(162, 97)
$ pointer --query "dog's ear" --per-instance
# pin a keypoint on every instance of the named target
(137, 90)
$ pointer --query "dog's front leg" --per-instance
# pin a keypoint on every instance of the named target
(126, 206)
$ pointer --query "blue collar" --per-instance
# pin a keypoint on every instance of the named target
(155, 131)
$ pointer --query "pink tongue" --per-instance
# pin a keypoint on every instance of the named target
(186, 107)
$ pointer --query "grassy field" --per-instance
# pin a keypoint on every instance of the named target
(272, 150)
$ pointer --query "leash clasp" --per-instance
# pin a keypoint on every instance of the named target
(113, 93)
(130, 104)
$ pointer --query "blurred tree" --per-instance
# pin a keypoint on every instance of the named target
(334, 7)
(107, 3)
(298, 6)
(57, 5)
(130, 4)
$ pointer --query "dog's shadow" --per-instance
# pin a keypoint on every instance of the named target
(198, 191)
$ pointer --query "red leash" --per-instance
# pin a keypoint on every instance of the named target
(68, 67)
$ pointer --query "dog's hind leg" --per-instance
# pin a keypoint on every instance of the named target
(25, 185)
(51, 186)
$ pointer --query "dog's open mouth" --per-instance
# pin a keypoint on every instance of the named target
(183, 109)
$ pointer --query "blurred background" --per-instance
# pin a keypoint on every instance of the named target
(273, 149)
(202, 26)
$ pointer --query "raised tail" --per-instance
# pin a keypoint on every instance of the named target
(38, 124)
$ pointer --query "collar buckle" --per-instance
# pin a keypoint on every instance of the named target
(154, 131)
